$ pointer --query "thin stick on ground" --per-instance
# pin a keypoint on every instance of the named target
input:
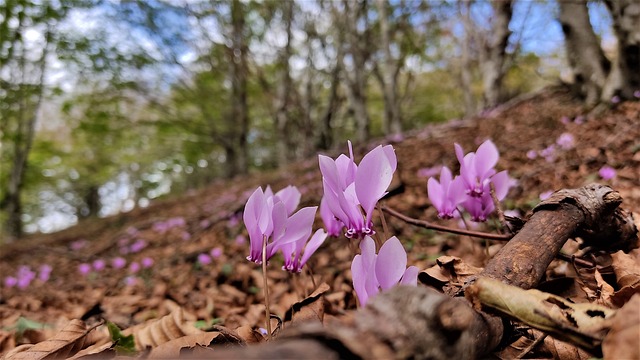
(532, 346)
(266, 286)
(428, 225)
(496, 204)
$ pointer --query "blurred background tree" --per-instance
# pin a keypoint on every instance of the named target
(105, 106)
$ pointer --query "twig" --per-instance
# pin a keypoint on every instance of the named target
(428, 225)
(266, 285)
(496, 204)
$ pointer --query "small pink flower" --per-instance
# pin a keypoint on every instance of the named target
(240, 240)
(216, 252)
(204, 259)
(185, 236)
(84, 268)
(566, 141)
(134, 267)
(579, 120)
(118, 263)
(147, 262)
(615, 99)
(45, 272)
(532, 154)
(131, 280)
(78, 244)
(636, 94)
(607, 172)
(99, 265)
(10, 282)
(205, 223)
(565, 120)
(137, 246)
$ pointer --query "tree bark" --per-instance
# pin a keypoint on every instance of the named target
(466, 77)
(624, 77)
(390, 68)
(284, 91)
(493, 68)
(238, 157)
(420, 323)
(586, 58)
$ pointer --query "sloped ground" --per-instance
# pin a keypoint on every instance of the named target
(168, 239)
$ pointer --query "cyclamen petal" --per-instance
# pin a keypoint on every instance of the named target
(290, 196)
(314, 243)
(373, 177)
(410, 276)
(333, 225)
(486, 158)
(391, 263)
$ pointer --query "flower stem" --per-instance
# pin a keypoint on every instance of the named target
(266, 286)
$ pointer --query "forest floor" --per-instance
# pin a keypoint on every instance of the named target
(189, 252)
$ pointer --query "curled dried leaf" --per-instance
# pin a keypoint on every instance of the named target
(67, 342)
(159, 331)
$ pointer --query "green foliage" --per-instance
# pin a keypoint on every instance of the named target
(124, 345)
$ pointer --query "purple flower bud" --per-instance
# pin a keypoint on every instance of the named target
(607, 172)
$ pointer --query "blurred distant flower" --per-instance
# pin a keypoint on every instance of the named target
(99, 265)
(138, 245)
(78, 244)
(216, 252)
(204, 259)
(147, 262)
(185, 236)
(545, 195)
(205, 223)
(549, 153)
(615, 99)
(240, 240)
(532, 154)
(234, 220)
(118, 263)
(130, 280)
(607, 172)
(10, 281)
(45, 272)
(84, 268)
(636, 94)
(565, 120)
(25, 276)
(566, 141)
(579, 119)
(134, 267)
(132, 231)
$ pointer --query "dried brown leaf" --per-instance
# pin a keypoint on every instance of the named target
(159, 331)
(65, 343)
(448, 270)
(622, 340)
(172, 349)
(311, 308)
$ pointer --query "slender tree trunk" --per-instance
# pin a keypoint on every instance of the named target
(493, 67)
(589, 65)
(390, 68)
(624, 77)
(237, 156)
(284, 87)
(466, 77)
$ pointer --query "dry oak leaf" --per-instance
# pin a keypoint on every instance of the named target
(623, 340)
(68, 341)
(159, 331)
(190, 343)
(448, 269)
(627, 270)
(311, 308)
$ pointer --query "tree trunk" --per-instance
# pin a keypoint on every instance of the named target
(238, 157)
(466, 77)
(624, 77)
(493, 66)
(390, 68)
(284, 87)
(418, 323)
(586, 58)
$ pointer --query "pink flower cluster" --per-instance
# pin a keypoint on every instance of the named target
(24, 276)
(164, 226)
(471, 189)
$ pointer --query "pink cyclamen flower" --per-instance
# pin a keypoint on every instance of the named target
(134, 267)
(271, 216)
(331, 223)
(84, 268)
(118, 263)
(204, 259)
(147, 262)
(636, 94)
(566, 141)
(137, 246)
(99, 265)
(297, 252)
(25, 276)
(481, 207)
(216, 252)
(446, 194)
(477, 168)
(351, 189)
(45, 272)
(532, 154)
(10, 281)
(607, 172)
(373, 272)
